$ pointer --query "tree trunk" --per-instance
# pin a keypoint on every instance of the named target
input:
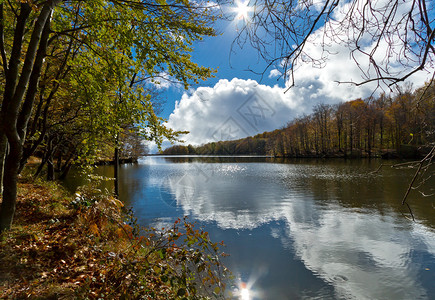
(8, 119)
(3, 149)
(50, 170)
(116, 167)
(67, 162)
(40, 167)
(59, 161)
(15, 88)
(65, 171)
(50, 165)
(10, 180)
(27, 107)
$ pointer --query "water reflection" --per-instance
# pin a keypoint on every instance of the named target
(330, 222)
(301, 229)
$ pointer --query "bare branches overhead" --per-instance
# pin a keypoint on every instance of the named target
(388, 40)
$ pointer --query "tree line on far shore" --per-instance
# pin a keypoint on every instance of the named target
(397, 125)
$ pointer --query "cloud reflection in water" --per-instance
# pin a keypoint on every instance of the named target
(362, 253)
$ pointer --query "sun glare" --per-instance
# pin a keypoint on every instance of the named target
(244, 294)
(242, 9)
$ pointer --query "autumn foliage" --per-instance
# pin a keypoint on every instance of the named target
(89, 247)
(400, 124)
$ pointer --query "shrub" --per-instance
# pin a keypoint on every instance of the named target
(148, 263)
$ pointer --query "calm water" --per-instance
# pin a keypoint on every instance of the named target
(297, 229)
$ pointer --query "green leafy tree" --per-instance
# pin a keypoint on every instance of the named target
(106, 51)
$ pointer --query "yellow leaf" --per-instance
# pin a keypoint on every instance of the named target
(119, 232)
(118, 203)
(94, 229)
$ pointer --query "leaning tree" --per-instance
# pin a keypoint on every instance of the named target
(105, 50)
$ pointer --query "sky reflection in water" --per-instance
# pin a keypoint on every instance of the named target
(300, 230)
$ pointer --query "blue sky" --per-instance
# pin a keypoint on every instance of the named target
(215, 52)
(239, 103)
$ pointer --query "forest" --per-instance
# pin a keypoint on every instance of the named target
(400, 124)
(77, 86)
(78, 83)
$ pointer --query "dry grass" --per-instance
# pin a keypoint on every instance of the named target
(64, 247)
(34, 252)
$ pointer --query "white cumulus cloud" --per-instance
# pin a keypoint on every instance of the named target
(240, 108)
(233, 109)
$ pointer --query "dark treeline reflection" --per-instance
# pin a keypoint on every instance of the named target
(219, 159)
(350, 183)
(296, 228)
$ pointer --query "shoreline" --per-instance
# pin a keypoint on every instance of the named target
(87, 246)
(406, 152)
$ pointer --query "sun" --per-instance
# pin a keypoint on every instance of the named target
(242, 9)
(244, 294)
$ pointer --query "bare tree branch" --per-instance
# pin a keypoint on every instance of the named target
(388, 41)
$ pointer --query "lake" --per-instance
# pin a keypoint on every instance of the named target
(296, 229)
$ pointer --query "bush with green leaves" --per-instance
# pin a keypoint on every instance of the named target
(178, 262)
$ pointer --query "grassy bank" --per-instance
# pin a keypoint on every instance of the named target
(87, 246)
